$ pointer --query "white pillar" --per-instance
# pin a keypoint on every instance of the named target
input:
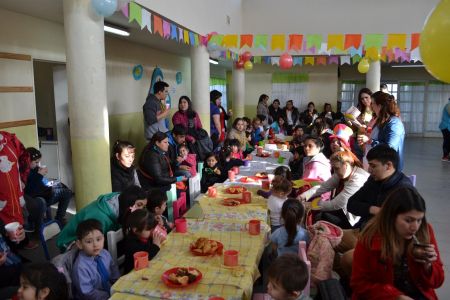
(238, 78)
(200, 84)
(373, 77)
(88, 111)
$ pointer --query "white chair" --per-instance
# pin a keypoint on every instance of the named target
(113, 238)
(171, 198)
(194, 188)
(48, 231)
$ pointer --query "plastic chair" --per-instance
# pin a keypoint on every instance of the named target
(48, 231)
(413, 179)
(171, 198)
(113, 237)
(179, 206)
(194, 188)
(304, 257)
(200, 169)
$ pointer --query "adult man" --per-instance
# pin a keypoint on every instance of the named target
(177, 137)
(154, 110)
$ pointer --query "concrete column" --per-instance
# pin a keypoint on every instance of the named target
(238, 78)
(88, 111)
(373, 77)
(200, 84)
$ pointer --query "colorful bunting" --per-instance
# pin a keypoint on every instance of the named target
(396, 40)
(345, 60)
(313, 40)
(166, 29)
(352, 51)
(295, 42)
(173, 32)
(267, 60)
(352, 40)
(278, 42)
(230, 41)
(415, 38)
(191, 38)
(216, 39)
(196, 40)
(334, 59)
(125, 10)
(146, 20)
(135, 13)
(157, 25)
(336, 41)
(297, 60)
(247, 40)
(275, 60)
(324, 49)
(186, 36)
(372, 53)
(204, 40)
(261, 41)
(309, 60)
(321, 60)
(415, 55)
(180, 34)
(257, 59)
(373, 40)
(356, 59)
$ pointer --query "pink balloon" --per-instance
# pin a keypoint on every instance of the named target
(286, 61)
(246, 56)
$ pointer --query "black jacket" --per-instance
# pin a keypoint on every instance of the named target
(133, 245)
(275, 114)
(295, 115)
(121, 177)
(373, 193)
(209, 178)
(155, 170)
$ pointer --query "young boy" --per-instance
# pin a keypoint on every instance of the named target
(282, 284)
(94, 271)
(258, 133)
(157, 204)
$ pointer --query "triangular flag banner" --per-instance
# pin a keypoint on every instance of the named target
(415, 38)
(373, 40)
(257, 59)
(126, 10)
(191, 38)
(173, 32)
(312, 50)
(345, 60)
(321, 60)
(157, 25)
(352, 40)
(383, 54)
(260, 41)
(146, 20)
(135, 13)
(415, 55)
(396, 40)
(204, 40)
(216, 39)
(372, 53)
(295, 42)
(323, 49)
(356, 59)
(180, 34)
(228, 55)
(352, 51)
(196, 40)
(275, 60)
(401, 55)
(309, 60)
(298, 60)
(266, 59)
(313, 40)
(336, 41)
(333, 60)
(246, 40)
(166, 29)
(186, 37)
(278, 42)
(230, 40)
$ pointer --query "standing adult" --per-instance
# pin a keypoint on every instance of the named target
(444, 126)
(275, 111)
(188, 118)
(292, 116)
(217, 118)
(262, 110)
(155, 111)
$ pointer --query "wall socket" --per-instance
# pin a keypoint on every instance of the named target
(228, 20)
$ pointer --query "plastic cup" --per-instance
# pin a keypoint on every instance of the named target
(231, 175)
(265, 184)
(12, 230)
(276, 154)
(236, 170)
(231, 258)
(259, 151)
(247, 197)
(280, 159)
(181, 225)
(140, 260)
(212, 191)
(261, 143)
(253, 227)
(246, 163)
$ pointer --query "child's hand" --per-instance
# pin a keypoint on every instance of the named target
(217, 171)
(179, 159)
(186, 168)
(158, 238)
(160, 220)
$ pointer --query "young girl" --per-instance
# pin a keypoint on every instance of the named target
(187, 159)
(40, 281)
(211, 173)
(285, 239)
(157, 204)
(315, 164)
(228, 162)
(282, 171)
(279, 127)
(140, 235)
(281, 188)
(296, 164)
(236, 151)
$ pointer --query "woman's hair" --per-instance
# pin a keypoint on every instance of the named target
(140, 219)
(214, 95)
(283, 171)
(262, 98)
(283, 118)
(45, 275)
(158, 137)
(236, 121)
(281, 184)
(292, 213)
(190, 112)
(362, 108)
(34, 153)
(276, 101)
(388, 107)
(119, 146)
(316, 140)
(399, 201)
(325, 107)
(346, 156)
(127, 199)
(156, 198)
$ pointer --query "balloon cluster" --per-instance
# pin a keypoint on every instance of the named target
(244, 61)
(105, 8)
(363, 65)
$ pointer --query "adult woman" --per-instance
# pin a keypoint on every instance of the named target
(340, 139)
(123, 173)
(387, 262)
(275, 111)
(388, 128)
(328, 112)
(309, 115)
(187, 117)
(292, 116)
(279, 126)
(364, 106)
(262, 110)
(348, 178)
(238, 132)
(155, 171)
(218, 117)
(315, 164)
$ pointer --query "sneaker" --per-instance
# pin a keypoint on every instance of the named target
(28, 228)
(31, 245)
(445, 158)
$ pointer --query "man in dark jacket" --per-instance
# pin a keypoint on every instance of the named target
(152, 109)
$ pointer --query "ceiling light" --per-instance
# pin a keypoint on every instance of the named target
(407, 66)
(116, 30)
(213, 61)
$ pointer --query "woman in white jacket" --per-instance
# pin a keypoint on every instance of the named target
(348, 178)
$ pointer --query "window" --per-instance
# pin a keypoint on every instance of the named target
(220, 85)
(392, 89)
(349, 93)
(290, 87)
(411, 100)
(437, 96)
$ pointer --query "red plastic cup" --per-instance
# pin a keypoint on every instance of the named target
(276, 154)
(235, 170)
(231, 175)
(231, 258)
(212, 191)
(181, 225)
(265, 184)
(259, 151)
(140, 260)
(254, 227)
(247, 197)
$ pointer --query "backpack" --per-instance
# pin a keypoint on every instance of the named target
(202, 146)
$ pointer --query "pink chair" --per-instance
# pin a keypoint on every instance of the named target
(179, 206)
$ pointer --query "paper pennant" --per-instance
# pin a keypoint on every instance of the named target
(336, 41)
(373, 40)
(157, 25)
(126, 10)
(295, 42)
(166, 29)
(415, 55)
(186, 34)
(204, 40)
(298, 60)
(313, 40)
(191, 38)
(228, 55)
(275, 60)
(321, 60)
(230, 40)
(345, 60)
(352, 40)
(352, 51)
(312, 50)
(309, 60)
(324, 49)
(216, 39)
(333, 60)
(396, 40)
(356, 59)
(180, 34)
(267, 59)
(401, 55)
(146, 19)
(246, 40)
(173, 32)
(415, 38)
(257, 59)
(135, 13)
(260, 41)
(278, 42)
(372, 53)
(196, 40)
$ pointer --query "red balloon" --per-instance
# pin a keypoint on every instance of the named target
(240, 64)
(246, 56)
(286, 61)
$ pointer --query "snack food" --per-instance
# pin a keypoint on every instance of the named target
(204, 246)
(262, 175)
(231, 202)
(235, 190)
(248, 179)
(183, 276)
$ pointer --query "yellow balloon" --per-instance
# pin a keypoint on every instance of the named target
(248, 65)
(363, 66)
(435, 42)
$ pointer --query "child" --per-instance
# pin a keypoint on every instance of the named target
(258, 133)
(282, 171)
(296, 164)
(282, 284)
(187, 159)
(281, 188)
(41, 281)
(211, 173)
(157, 204)
(285, 239)
(94, 271)
(297, 136)
(228, 162)
(140, 235)
(236, 151)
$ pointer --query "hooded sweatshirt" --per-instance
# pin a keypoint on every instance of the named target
(316, 167)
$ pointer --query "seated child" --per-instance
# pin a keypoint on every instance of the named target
(296, 164)
(187, 159)
(94, 271)
(52, 191)
(211, 173)
(140, 235)
(258, 133)
(281, 188)
(157, 204)
(42, 281)
(228, 162)
(285, 239)
(297, 136)
(236, 151)
(279, 171)
(282, 285)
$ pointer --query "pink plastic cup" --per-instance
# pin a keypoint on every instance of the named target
(181, 225)
(140, 260)
(231, 258)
